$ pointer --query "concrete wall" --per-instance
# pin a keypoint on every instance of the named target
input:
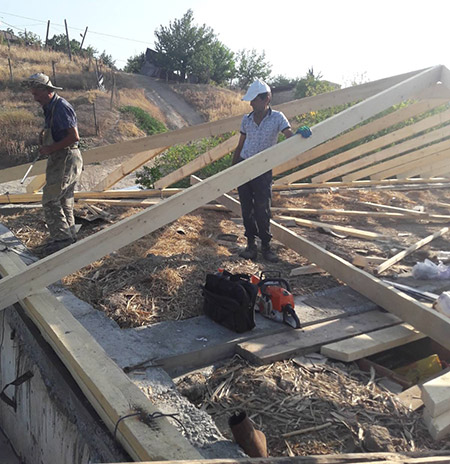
(52, 422)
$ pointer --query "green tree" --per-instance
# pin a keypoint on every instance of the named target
(251, 65)
(30, 38)
(185, 48)
(107, 59)
(134, 63)
(224, 66)
(281, 81)
(313, 84)
(59, 44)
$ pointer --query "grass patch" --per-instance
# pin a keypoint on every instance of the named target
(144, 121)
(179, 155)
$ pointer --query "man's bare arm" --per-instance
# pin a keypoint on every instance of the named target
(71, 137)
(237, 151)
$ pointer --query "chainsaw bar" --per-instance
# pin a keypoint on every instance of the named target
(290, 317)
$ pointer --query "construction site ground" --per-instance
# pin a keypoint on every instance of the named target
(155, 283)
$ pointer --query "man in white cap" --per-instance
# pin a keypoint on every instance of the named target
(259, 131)
(59, 141)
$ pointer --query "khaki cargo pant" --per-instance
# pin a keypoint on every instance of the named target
(63, 171)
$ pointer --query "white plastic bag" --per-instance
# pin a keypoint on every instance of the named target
(442, 304)
(429, 270)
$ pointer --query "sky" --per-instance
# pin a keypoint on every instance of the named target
(344, 40)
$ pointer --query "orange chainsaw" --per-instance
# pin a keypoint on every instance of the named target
(275, 300)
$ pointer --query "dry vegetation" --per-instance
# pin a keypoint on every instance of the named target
(345, 409)
(213, 103)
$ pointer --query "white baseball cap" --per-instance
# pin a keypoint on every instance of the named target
(255, 89)
(41, 80)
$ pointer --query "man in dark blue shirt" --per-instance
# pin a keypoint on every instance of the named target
(59, 141)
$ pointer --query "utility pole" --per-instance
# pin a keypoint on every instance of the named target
(68, 41)
(46, 35)
(82, 41)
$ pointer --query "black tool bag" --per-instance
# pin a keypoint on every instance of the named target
(229, 299)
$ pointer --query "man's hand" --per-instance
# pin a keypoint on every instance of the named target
(45, 149)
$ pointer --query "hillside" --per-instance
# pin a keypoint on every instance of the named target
(175, 106)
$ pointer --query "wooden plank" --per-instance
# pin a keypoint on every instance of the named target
(142, 203)
(126, 168)
(273, 348)
(415, 167)
(418, 457)
(336, 228)
(109, 390)
(436, 395)
(405, 211)
(36, 184)
(200, 162)
(306, 270)
(349, 137)
(439, 426)
(186, 134)
(376, 144)
(85, 251)
(402, 254)
(366, 261)
(344, 212)
(371, 343)
(37, 197)
(384, 163)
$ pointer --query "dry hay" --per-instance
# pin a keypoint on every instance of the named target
(345, 407)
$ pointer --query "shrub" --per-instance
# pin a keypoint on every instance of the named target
(179, 155)
(144, 121)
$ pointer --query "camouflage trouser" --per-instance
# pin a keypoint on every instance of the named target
(63, 170)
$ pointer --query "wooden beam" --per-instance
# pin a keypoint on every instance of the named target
(396, 160)
(367, 344)
(339, 229)
(399, 256)
(107, 387)
(142, 203)
(85, 251)
(344, 212)
(352, 136)
(127, 167)
(384, 141)
(36, 184)
(198, 163)
(419, 457)
(435, 394)
(413, 168)
(186, 134)
(109, 194)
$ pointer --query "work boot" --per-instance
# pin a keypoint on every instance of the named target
(251, 251)
(268, 254)
(252, 441)
(57, 245)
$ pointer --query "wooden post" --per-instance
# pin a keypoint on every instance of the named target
(68, 41)
(46, 35)
(54, 72)
(10, 70)
(82, 40)
(95, 120)
(113, 87)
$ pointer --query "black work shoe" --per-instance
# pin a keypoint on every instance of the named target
(57, 245)
(250, 252)
(268, 254)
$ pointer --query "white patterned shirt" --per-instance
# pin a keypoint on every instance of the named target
(259, 138)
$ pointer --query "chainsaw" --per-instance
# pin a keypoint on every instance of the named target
(275, 300)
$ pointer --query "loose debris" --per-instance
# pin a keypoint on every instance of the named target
(309, 408)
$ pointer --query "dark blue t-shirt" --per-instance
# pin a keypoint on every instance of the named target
(64, 117)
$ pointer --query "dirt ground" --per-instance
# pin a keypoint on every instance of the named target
(158, 278)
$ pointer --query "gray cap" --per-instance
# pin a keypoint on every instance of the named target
(41, 80)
